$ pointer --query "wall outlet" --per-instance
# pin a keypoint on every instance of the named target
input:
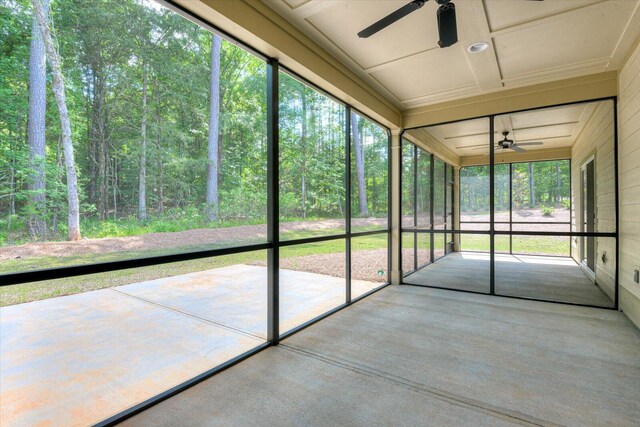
(636, 275)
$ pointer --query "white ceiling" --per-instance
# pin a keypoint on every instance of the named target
(530, 42)
(555, 127)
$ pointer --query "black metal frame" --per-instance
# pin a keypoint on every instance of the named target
(492, 232)
(415, 228)
(511, 222)
(447, 184)
(273, 243)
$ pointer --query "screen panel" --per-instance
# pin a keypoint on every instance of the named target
(312, 162)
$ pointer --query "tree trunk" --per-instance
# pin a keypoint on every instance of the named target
(214, 125)
(114, 185)
(558, 183)
(156, 92)
(358, 148)
(65, 123)
(54, 220)
(142, 189)
(91, 146)
(99, 140)
(36, 132)
(12, 181)
(532, 190)
(303, 147)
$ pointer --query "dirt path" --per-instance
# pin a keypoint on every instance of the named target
(238, 235)
(522, 215)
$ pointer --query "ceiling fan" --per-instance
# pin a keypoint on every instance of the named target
(510, 144)
(446, 14)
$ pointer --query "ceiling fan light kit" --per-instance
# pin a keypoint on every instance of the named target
(506, 142)
(447, 26)
(509, 144)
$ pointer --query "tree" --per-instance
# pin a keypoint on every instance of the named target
(143, 123)
(532, 189)
(36, 133)
(558, 184)
(65, 123)
(303, 150)
(358, 147)
(214, 123)
(142, 189)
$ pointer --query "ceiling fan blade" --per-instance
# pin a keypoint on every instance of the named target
(518, 149)
(530, 143)
(391, 18)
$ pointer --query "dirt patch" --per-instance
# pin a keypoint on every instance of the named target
(245, 234)
(365, 265)
(522, 215)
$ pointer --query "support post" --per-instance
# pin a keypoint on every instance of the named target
(431, 192)
(273, 217)
(347, 208)
(492, 226)
(395, 207)
(415, 206)
(510, 208)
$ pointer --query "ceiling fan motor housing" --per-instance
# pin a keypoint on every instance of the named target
(447, 27)
(506, 142)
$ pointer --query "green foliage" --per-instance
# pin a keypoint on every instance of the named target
(550, 186)
(547, 210)
(105, 45)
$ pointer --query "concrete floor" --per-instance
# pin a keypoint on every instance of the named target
(79, 359)
(531, 276)
(416, 356)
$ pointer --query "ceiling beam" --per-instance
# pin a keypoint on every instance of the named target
(576, 89)
(560, 153)
(473, 27)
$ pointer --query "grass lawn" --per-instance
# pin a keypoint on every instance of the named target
(529, 245)
(17, 294)
(522, 245)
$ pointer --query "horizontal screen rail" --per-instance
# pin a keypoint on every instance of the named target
(516, 222)
(103, 267)
(557, 233)
(313, 239)
(369, 233)
(516, 233)
(414, 230)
